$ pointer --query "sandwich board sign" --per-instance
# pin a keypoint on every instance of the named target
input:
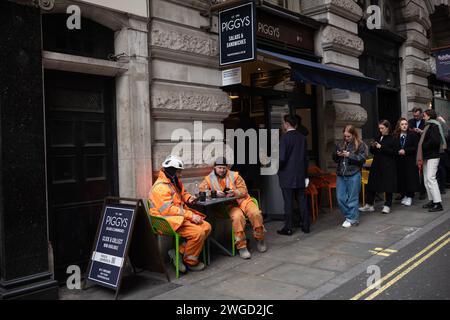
(118, 238)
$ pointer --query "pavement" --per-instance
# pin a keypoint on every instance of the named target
(331, 262)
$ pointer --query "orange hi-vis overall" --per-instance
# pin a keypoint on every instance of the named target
(166, 201)
(246, 207)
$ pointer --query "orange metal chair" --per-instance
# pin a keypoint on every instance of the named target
(323, 180)
(313, 193)
(330, 183)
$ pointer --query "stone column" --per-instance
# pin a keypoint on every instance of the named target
(339, 45)
(414, 23)
(24, 268)
(133, 113)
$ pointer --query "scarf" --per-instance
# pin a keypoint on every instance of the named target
(441, 131)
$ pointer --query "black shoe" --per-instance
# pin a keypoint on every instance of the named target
(428, 205)
(436, 207)
(306, 230)
(285, 232)
(422, 196)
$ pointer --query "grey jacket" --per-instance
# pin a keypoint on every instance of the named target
(351, 165)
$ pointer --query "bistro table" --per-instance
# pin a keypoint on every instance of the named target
(207, 207)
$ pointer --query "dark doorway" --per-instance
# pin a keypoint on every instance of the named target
(81, 161)
(388, 105)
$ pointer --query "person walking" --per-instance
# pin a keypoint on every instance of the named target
(416, 125)
(408, 181)
(432, 143)
(383, 175)
(292, 174)
(350, 155)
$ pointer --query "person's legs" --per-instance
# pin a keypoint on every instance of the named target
(426, 177)
(432, 165)
(353, 188)
(287, 197)
(441, 175)
(342, 194)
(195, 235)
(304, 213)
(256, 220)
(238, 223)
(388, 201)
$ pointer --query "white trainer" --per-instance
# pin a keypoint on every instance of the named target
(386, 210)
(244, 253)
(346, 224)
(408, 202)
(367, 208)
(404, 200)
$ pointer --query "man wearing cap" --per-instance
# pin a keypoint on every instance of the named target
(168, 199)
(230, 184)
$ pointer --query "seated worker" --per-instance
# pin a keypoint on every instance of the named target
(230, 184)
(168, 199)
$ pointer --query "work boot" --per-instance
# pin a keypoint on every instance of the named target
(436, 207)
(172, 256)
(261, 245)
(198, 267)
(244, 253)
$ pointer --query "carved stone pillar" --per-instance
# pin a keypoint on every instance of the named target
(339, 45)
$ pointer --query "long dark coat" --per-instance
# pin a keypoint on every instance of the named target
(407, 170)
(383, 173)
(293, 160)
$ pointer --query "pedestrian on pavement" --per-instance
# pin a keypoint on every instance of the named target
(292, 175)
(350, 155)
(432, 143)
(416, 125)
(168, 198)
(441, 174)
(229, 183)
(408, 181)
(383, 174)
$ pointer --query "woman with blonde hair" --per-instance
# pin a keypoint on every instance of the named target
(350, 155)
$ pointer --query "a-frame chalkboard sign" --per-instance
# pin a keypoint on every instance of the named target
(124, 231)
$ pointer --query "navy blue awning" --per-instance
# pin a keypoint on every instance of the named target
(321, 74)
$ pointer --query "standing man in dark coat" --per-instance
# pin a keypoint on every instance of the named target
(416, 125)
(293, 174)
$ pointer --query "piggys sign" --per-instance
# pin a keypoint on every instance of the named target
(237, 34)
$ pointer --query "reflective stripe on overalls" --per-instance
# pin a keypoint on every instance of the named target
(166, 204)
(215, 183)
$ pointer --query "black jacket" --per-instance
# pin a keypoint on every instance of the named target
(431, 143)
(349, 166)
(383, 173)
(407, 170)
(293, 160)
(412, 124)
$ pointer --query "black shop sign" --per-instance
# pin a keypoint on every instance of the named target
(237, 34)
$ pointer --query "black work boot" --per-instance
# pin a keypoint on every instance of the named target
(428, 205)
(436, 207)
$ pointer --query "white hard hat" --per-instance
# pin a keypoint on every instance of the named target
(173, 161)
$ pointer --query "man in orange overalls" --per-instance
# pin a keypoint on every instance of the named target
(168, 198)
(230, 184)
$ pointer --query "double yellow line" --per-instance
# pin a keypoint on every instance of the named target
(426, 253)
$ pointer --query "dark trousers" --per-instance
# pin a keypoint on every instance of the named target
(441, 174)
(289, 208)
(371, 198)
(407, 194)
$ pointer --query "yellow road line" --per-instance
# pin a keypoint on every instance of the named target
(393, 272)
(404, 273)
(390, 250)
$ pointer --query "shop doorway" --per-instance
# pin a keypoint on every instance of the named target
(389, 105)
(81, 162)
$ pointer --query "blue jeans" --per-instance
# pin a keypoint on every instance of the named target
(347, 193)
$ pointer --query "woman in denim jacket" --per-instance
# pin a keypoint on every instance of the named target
(350, 155)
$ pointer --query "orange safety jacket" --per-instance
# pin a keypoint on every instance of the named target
(166, 201)
(232, 181)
